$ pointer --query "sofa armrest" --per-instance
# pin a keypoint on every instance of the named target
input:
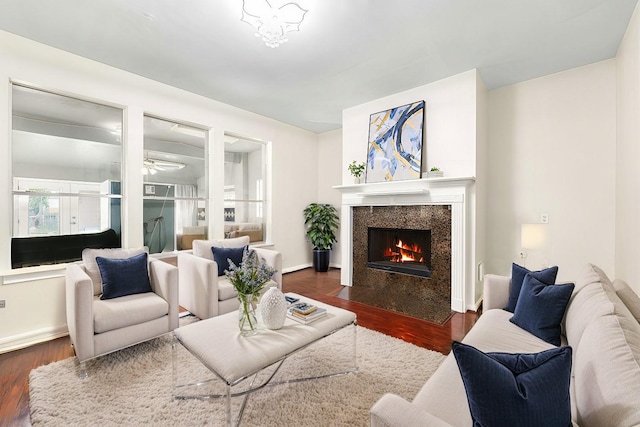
(496, 291)
(79, 302)
(198, 289)
(273, 259)
(164, 282)
(392, 410)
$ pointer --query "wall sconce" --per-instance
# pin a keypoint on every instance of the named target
(532, 236)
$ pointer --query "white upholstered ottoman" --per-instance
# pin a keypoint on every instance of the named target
(216, 342)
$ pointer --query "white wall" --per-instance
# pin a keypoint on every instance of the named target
(628, 156)
(330, 170)
(450, 125)
(38, 306)
(552, 150)
(479, 233)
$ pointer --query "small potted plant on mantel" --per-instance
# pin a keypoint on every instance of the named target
(356, 169)
(435, 172)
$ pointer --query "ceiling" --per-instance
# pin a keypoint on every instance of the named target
(346, 53)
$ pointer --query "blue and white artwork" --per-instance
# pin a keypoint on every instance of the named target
(395, 144)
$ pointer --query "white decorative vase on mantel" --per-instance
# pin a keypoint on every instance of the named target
(273, 308)
(356, 180)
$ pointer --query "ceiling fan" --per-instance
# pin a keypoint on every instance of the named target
(152, 166)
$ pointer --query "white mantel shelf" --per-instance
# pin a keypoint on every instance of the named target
(454, 191)
(410, 192)
(390, 186)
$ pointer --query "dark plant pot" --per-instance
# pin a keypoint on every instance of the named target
(321, 259)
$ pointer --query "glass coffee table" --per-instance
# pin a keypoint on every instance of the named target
(237, 361)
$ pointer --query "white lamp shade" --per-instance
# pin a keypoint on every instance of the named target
(532, 236)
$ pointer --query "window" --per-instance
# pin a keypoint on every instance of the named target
(66, 160)
(245, 161)
(175, 185)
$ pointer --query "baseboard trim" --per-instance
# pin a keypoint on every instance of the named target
(27, 339)
(303, 266)
(296, 268)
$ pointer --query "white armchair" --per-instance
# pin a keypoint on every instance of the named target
(98, 327)
(202, 291)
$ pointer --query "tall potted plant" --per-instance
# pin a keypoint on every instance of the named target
(321, 222)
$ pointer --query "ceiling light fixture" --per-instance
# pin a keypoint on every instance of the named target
(187, 130)
(152, 166)
(230, 139)
(272, 24)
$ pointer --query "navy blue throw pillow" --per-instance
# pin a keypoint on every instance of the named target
(126, 276)
(222, 256)
(541, 307)
(518, 272)
(523, 390)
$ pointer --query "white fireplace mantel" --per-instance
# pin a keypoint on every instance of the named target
(457, 192)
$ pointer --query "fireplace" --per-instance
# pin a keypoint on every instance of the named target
(420, 287)
(446, 207)
(400, 250)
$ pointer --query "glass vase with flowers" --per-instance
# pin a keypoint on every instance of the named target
(248, 279)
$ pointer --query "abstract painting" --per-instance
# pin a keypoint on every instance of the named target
(395, 144)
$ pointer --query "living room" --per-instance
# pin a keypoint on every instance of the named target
(564, 144)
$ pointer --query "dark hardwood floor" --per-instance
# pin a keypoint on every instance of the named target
(15, 366)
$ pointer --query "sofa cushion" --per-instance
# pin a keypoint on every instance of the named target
(492, 332)
(225, 289)
(516, 389)
(126, 276)
(185, 241)
(254, 235)
(222, 256)
(586, 304)
(593, 297)
(541, 307)
(628, 297)
(127, 311)
(602, 276)
(518, 274)
(91, 266)
(607, 373)
(202, 248)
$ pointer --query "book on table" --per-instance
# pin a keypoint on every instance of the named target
(303, 308)
(291, 299)
(316, 314)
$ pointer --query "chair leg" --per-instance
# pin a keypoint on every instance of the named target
(82, 371)
(82, 368)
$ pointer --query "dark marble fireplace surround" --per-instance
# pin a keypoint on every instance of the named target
(428, 299)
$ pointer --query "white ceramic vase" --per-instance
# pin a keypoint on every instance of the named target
(273, 308)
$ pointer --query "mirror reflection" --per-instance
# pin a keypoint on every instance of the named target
(66, 170)
(175, 185)
(245, 161)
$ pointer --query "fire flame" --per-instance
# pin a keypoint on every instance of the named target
(403, 252)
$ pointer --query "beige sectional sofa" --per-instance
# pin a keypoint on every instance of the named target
(239, 229)
(601, 325)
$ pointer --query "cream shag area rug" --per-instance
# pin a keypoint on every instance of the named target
(134, 386)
